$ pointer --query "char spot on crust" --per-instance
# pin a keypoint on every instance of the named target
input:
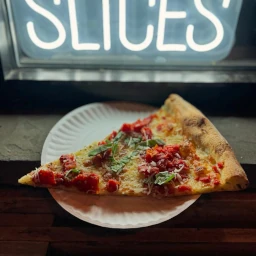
(201, 121)
(195, 121)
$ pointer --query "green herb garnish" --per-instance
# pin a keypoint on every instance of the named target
(99, 150)
(118, 136)
(118, 166)
(132, 142)
(113, 145)
(72, 171)
(163, 177)
(114, 148)
(151, 143)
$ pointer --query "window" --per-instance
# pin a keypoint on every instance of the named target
(154, 40)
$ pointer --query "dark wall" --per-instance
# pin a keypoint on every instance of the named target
(60, 97)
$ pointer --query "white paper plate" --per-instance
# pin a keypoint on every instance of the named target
(90, 123)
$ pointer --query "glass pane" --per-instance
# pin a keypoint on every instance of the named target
(120, 33)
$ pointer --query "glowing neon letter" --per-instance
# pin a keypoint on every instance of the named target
(163, 15)
(217, 24)
(106, 25)
(122, 31)
(74, 30)
(226, 3)
(48, 15)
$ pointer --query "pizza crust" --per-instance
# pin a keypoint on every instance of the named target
(26, 180)
(202, 132)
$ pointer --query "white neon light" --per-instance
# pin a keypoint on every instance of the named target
(152, 3)
(106, 25)
(218, 26)
(48, 15)
(74, 31)
(225, 3)
(122, 31)
(163, 15)
(57, 2)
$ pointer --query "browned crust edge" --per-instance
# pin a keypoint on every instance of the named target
(203, 133)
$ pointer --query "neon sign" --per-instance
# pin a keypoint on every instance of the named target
(154, 31)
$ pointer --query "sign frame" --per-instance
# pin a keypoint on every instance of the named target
(224, 72)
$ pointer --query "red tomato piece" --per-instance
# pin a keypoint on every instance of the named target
(44, 177)
(216, 181)
(59, 178)
(112, 135)
(68, 162)
(183, 188)
(148, 170)
(220, 165)
(106, 153)
(102, 143)
(205, 179)
(147, 133)
(161, 164)
(126, 128)
(139, 124)
(86, 182)
(112, 185)
(97, 160)
(148, 158)
(215, 169)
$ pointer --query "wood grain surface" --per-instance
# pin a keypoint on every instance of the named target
(32, 223)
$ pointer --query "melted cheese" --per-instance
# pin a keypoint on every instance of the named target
(163, 127)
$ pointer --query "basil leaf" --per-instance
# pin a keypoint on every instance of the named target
(99, 150)
(114, 148)
(71, 171)
(128, 140)
(119, 165)
(118, 136)
(136, 140)
(164, 177)
(134, 153)
(131, 142)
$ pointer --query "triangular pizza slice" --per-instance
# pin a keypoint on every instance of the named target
(174, 151)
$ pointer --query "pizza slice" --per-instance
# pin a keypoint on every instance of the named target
(175, 151)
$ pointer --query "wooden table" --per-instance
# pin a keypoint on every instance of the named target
(32, 223)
